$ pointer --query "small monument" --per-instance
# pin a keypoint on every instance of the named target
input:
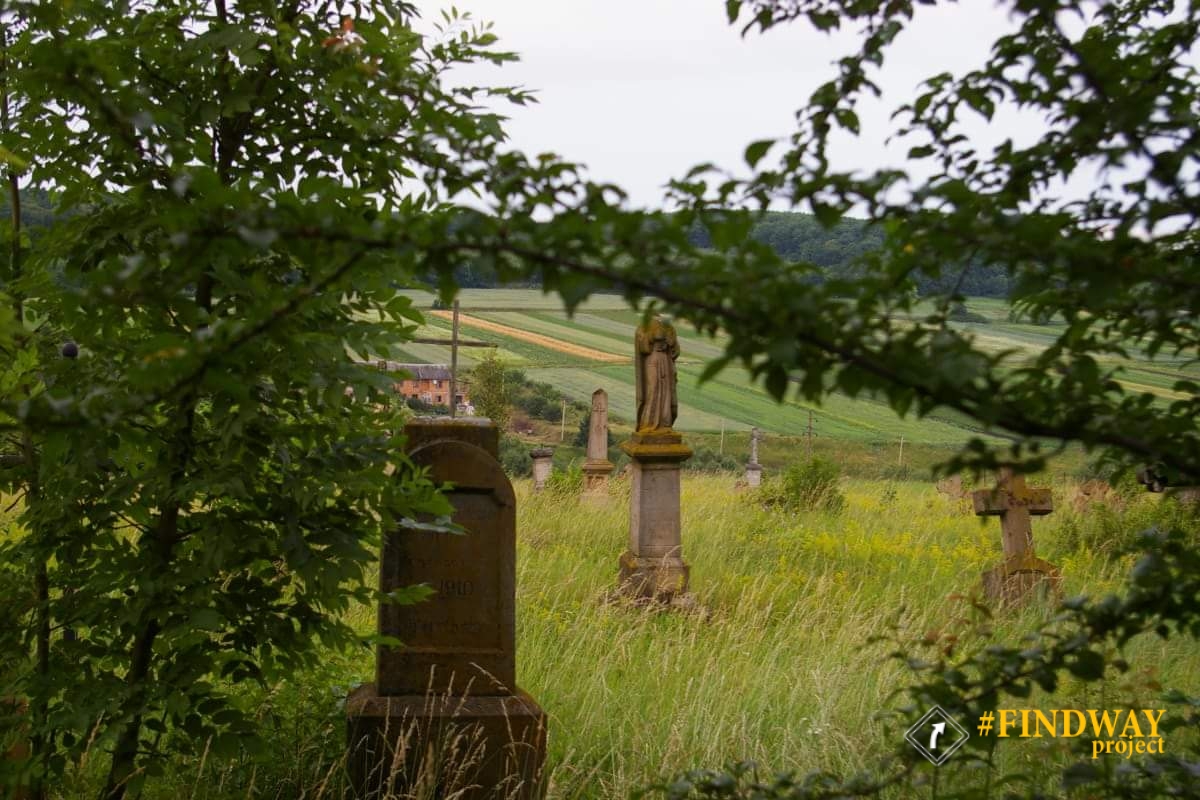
(597, 467)
(1021, 572)
(543, 463)
(444, 714)
(653, 567)
(754, 469)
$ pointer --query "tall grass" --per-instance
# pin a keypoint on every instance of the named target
(776, 669)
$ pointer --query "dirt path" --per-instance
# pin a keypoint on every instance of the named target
(533, 338)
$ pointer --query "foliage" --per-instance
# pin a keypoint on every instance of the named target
(427, 409)
(584, 432)
(566, 482)
(514, 457)
(705, 459)
(490, 390)
(804, 486)
(537, 399)
(237, 187)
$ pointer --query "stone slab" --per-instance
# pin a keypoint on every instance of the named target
(468, 748)
(462, 639)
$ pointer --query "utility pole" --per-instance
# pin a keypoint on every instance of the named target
(562, 428)
(454, 363)
(721, 451)
(901, 463)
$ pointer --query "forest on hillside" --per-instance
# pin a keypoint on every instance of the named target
(797, 237)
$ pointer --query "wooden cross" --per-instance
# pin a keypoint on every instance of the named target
(1021, 572)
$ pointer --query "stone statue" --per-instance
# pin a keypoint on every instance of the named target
(655, 349)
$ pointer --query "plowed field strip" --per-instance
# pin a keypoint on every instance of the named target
(548, 342)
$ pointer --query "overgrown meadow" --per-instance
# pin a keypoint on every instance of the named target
(780, 669)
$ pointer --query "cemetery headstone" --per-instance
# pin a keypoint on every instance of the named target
(597, 467)
(1021, 573)
(444, 712)
(753, 468)
(543, 463)
(653, 567)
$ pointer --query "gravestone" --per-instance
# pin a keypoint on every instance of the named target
(653, 569)
(444, 713)
(543, 463)
(1022, 572)
(597, 467)
(753, 468)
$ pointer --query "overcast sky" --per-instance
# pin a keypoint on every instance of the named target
(641, 90)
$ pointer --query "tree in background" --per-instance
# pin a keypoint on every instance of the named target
(490, 391)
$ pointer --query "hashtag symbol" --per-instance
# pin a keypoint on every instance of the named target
(985, 722)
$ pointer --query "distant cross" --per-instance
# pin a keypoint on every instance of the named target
(755, 437)
(1014, 503)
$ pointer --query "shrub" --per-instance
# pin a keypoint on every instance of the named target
(566, 482)
(514, 458)
(705, 459)
(805, 486)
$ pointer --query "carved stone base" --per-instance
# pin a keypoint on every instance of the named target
(474, 748)
(754, 475)
(1017, 579)
(595, 477)
(656, 579)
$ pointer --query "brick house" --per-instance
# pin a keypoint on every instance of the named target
(429, 383)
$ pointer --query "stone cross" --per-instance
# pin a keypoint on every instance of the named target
(451, 683)
(1021, 571)
(597, 467)
(754, 470)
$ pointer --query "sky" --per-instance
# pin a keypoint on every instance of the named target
(642, 90)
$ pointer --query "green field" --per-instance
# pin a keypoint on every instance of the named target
(731, 400)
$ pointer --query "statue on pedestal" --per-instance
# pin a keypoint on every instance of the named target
(656, 348)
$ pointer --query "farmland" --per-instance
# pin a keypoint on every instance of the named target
(593, 349)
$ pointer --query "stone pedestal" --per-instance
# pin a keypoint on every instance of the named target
(754, 475)
(595, 477)
(468, 747)
(543, 463)
(444, 716)
(1020, 578)
(653, 567)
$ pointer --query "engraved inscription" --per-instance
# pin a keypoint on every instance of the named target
(464, 612)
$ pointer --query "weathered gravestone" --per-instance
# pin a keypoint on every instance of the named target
(753, 468)
(543, 462)
(653, 567)
(1021, 573)
(597, 467)
(444, 713)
